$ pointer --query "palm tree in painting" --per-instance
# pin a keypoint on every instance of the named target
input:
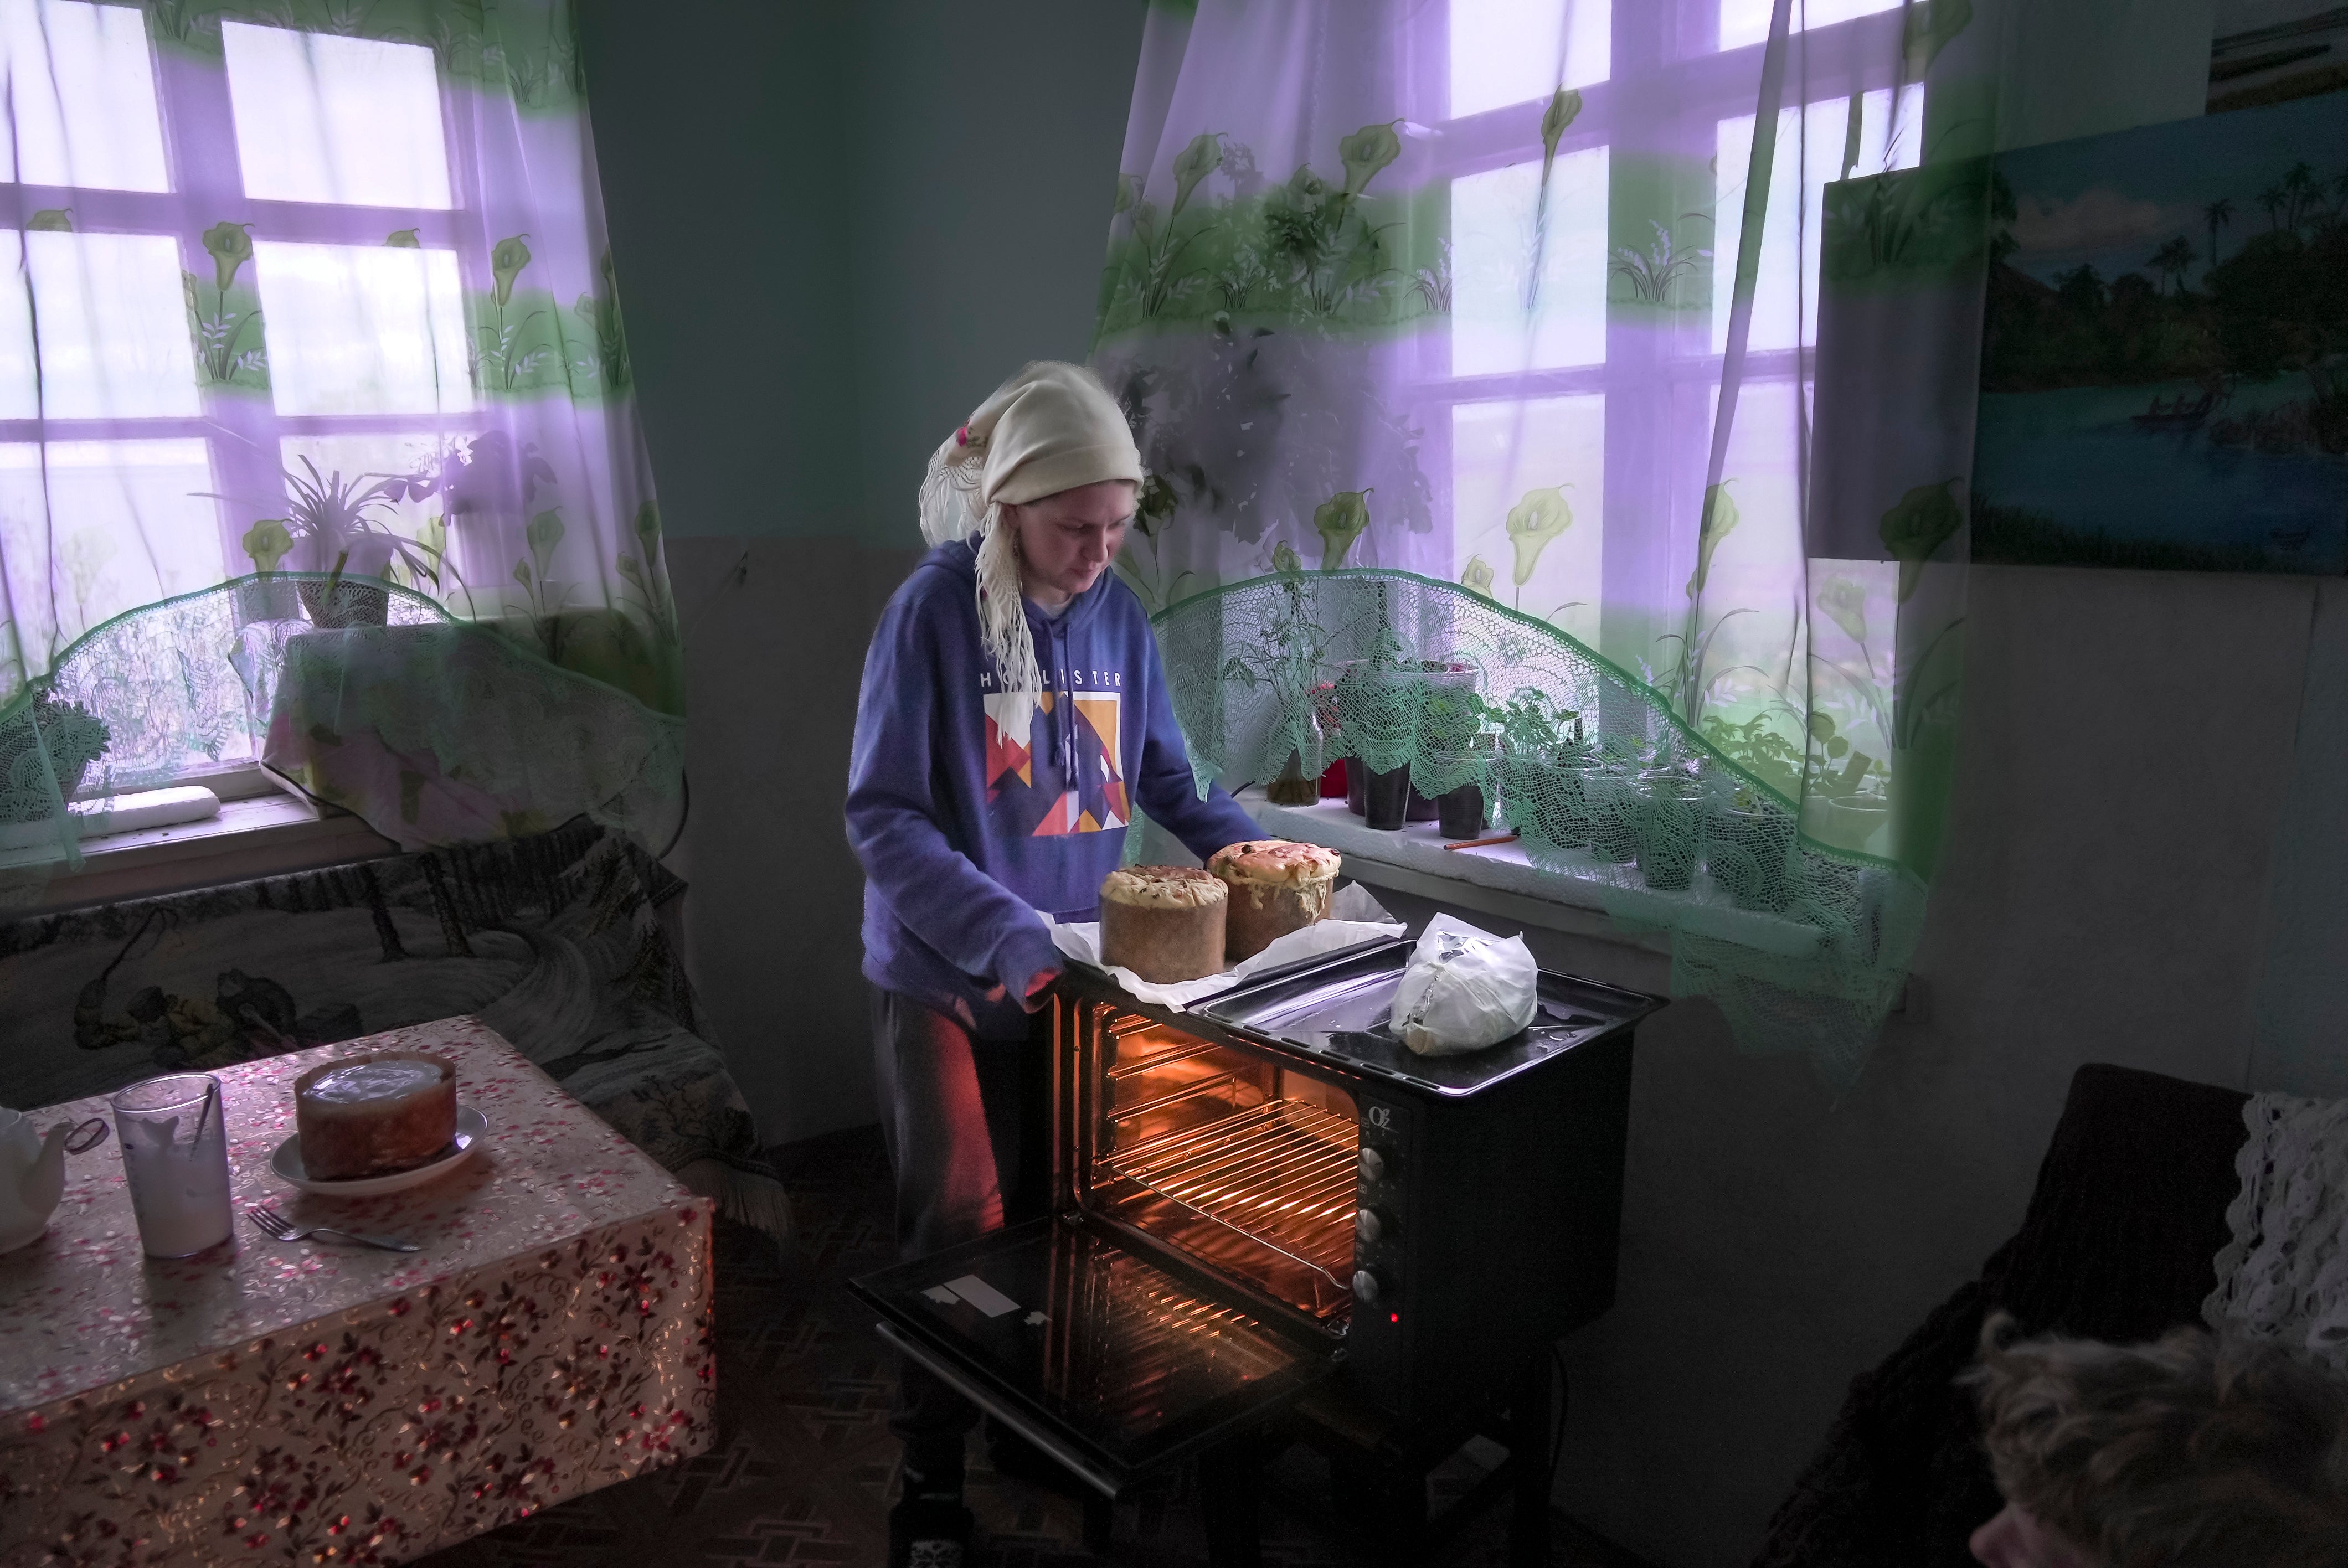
(2218, 214)
(2274, 199)
(2081, 289)
(2174, 259)
(2299, 188)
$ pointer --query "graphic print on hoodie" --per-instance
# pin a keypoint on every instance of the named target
(1062, 773)
(977, 812)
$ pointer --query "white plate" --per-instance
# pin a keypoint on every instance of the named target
(472, 1127)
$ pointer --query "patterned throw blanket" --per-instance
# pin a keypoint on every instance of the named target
(554, 941)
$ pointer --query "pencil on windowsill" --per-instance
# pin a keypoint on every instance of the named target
(1481, 843)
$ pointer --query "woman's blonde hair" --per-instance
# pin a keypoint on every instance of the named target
(1049, 428)
(2188, 1451)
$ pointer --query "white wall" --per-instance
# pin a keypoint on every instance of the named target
(2127, 747)
(837, 227)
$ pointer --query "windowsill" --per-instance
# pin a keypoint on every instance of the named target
(253, 834)
(1499, 879)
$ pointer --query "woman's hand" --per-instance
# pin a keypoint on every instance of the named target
(1037, 984)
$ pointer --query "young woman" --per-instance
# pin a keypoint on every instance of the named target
(1013, 718)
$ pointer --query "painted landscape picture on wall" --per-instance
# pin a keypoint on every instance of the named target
(2266, 51)
(2165, 354)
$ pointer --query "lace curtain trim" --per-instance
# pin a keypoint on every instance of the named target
(2284, 1277)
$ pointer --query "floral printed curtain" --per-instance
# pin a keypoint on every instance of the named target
(316, 441)
(1645, 331)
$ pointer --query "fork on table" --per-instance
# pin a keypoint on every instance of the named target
(277, 1225)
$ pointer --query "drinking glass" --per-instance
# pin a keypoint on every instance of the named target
(175, 1152)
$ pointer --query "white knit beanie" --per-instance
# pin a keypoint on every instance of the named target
(1049, 428)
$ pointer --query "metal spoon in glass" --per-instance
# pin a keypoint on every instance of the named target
(283, 1229)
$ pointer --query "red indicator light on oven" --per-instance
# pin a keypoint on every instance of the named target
(1394, 1316)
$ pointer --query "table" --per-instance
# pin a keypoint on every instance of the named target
(267, 1402)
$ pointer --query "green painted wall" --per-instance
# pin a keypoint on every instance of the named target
(989, 138)
(837, 228)
(725, 180)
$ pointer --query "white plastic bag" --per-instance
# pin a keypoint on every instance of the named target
(1464, 989)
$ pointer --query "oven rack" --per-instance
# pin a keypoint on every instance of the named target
(1280, 1174)
(1123, 1335)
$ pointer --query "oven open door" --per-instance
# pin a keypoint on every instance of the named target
(1098, 1356)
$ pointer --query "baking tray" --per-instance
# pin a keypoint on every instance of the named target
(1343, 1009)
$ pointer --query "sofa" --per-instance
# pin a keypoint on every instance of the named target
(2118, 1244)
(555, 940)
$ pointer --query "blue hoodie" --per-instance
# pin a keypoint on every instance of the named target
(969, 820)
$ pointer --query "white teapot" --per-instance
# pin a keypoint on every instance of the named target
(32, 1173)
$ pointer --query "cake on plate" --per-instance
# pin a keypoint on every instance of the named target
(1276, 888)
(375, 1114)
(1165, 923)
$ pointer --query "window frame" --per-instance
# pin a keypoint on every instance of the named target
(243, 431)
(1662, 53)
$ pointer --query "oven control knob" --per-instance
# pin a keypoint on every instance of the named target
(1374, 1165)
(1372, 1226)
(1367, 1285)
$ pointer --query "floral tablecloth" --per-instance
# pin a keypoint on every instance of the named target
(267, 1402)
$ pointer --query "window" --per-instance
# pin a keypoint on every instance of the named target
(82, 109)
(1619, 375)
(1822, 137)
(1494, 251)
(353, 121)
(1497, 58)
(211, 286)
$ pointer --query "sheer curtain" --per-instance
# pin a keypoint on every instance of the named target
(1631, 343)
(314, 287)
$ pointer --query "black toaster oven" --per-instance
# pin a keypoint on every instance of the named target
(1270, 1190)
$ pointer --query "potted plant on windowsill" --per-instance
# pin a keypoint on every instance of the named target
(1860, 817)
(335, 528)
(1542, 759)
(1749, 848)
(1279, 664)
(1456, 754)
(1749, 837)
(45, 752)
(1669, 840)
(1428, 680)
(1466, 810)
(1615, 801)
(1374, 710)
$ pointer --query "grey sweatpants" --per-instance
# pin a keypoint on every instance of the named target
(964, 1120)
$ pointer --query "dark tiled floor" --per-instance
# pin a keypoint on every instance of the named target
(802, 1469)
